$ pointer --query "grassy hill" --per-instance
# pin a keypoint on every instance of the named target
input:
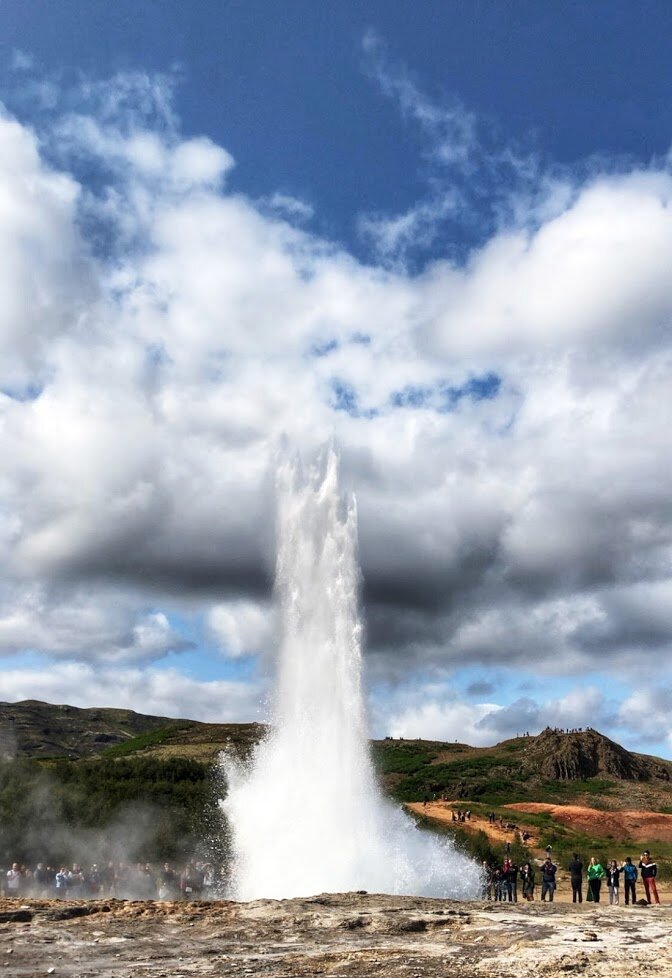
(35, 729)
(70, 774)
(565, 768)
(32, 729)
(578, 767)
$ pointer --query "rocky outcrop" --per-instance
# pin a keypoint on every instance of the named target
(578, 756)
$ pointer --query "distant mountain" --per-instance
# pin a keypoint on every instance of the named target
(44, 730)
(35, 729)
(562, 767)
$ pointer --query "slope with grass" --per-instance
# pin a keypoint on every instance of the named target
(565, 768)
(93, 765)
(35, 729)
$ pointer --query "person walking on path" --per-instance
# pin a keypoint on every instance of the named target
(576, 876)
(613, 876)
(548, 871)
(649, 871)
(629, 879)
(595, 876)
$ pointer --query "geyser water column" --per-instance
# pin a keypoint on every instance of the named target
(306, 816)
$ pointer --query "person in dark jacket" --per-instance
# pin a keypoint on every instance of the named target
(499, 884)
(629, 871)
(649, 871)
(613, 877)
(548, 871)
(511, 877)
(576, 876)
(527, 879)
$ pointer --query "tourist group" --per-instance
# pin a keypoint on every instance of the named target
(503, 882)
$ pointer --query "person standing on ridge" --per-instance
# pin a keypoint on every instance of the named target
(576, 876)
(649, 871)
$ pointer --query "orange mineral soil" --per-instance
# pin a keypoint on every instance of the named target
(639, 825)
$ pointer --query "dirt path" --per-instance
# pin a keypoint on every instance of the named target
(442, 811)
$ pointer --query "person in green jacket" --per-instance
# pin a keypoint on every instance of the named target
(595, 876)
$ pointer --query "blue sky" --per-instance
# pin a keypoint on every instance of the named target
(437, 234)
(288, 89)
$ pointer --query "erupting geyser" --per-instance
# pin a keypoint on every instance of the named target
(307, 815)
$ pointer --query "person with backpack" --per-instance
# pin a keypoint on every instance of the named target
(629, 871)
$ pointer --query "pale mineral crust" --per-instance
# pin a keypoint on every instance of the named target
(347, 934)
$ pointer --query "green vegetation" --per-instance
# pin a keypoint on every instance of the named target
(476, 845)
(151, 739)
(140, 807)
(115, 784)
(512, 771)
(401, 756)
(417, 772)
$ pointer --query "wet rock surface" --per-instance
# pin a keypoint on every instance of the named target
(336, 934)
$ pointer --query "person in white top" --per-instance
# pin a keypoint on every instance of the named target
(14, 880)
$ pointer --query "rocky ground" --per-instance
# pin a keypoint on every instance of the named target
(351, 935)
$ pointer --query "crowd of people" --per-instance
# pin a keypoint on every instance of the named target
(502, 882)
(202, 880)
(196, 880)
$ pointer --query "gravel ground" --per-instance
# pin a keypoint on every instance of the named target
(347, 934)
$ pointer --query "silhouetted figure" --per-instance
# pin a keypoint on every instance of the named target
(576, 877)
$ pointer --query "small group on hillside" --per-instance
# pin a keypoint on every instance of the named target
(137, 881)
(460, 816)
(502, 882)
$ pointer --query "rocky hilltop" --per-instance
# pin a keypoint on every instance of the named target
(580, 755)
(561, 766)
